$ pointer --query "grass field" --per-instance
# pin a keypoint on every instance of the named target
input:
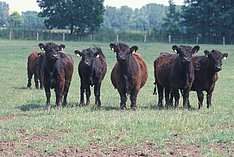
(26, 129)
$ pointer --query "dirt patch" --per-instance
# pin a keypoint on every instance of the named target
(4, 119)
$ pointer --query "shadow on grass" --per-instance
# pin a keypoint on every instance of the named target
(30, 106)
(21, 88)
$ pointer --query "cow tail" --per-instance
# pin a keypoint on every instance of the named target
(155, 88)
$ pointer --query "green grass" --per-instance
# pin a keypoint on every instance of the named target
(22, 113)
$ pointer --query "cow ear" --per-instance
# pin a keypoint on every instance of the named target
(206, 52)
(61, 47)
(41, 46)
(133, 49)
(77, 53)
(96, 54)
(175, 48)
(196, 49)
(225, 55)
(113, 47)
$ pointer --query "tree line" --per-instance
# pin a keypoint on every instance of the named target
(195, 18)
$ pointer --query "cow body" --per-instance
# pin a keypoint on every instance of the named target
(129, 73)
(162, 69)
(92, 70)
(34, 69)
(57, 70)
(206, 74)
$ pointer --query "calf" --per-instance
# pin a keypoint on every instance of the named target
(57, 70)
(92, 70)
(34, 68)
(182, 73)
(129, 73)
(206, 74)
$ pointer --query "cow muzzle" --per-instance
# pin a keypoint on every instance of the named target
(54, 57)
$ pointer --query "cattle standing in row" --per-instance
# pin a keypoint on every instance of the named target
(206, 74)
(129, 73)
(174, 72)
(57, 70)
(34, 68)
(92, 69)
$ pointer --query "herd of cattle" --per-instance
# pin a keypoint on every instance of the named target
(174, 73)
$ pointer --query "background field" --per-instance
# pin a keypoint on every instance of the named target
(27, 129)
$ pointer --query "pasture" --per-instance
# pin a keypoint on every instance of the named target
(26, 129)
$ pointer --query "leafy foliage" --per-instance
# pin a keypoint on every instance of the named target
(83, 15)
(32, 20)
(15, 20)
(4, 13)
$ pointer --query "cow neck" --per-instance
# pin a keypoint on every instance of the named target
(51, 67)
(187, 70)
(128, 70)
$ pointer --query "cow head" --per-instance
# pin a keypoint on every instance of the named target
(122, 51)
(215, 58)
(185, 52)
(51, 50)
(88, 55)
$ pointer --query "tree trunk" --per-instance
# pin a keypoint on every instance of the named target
(71, 28)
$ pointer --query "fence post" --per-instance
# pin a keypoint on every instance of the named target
(10, 36)
(63, 36)
(169, 38)
(197, 40)
(117, 38)
(37, 36)
(223, 40)
(145, 38)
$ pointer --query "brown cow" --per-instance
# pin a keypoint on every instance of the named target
(129, 73)
(206, 74)
(57, 70)
(34, 68)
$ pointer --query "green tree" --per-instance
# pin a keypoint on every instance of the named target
(208, 17)
(32, 20)
(171, 23)
(83, 16)
(4, 13)
(15, 20)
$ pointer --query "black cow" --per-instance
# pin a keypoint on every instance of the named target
(182, 73)
(92, 70)
(206, 74)
(57, 70)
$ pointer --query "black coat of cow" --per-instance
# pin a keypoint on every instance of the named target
(34, 68)
(206, 74)
(174, 72)
(57, 70)
(92, 70)
(129, 73)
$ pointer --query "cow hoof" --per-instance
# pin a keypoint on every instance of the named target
(47, 107)
(134, 108)
(81, 104)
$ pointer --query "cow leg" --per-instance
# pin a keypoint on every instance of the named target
(97, 95)
(186, 98)
(36, 80)
(48, 95)
(123, 99)
(176, 95)
(29, 80)
(168, 97)
(200, 96)
(209, 96)
(66, 89)
(88, 93)
(133, 98)
(160, 96)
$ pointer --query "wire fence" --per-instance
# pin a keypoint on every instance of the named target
(111, 35)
